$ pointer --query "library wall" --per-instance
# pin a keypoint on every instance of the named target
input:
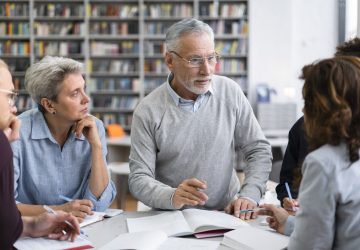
(120, 42)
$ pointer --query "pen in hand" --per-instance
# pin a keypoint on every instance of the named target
(257, 209)
(65, 198)
(52, 211)
(289, 194)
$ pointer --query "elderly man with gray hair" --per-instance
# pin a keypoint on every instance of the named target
(62, 149)
(184, 133)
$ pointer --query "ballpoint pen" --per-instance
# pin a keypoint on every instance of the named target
(52, 211)
(289, 194)
(65, 198)
(251, 210)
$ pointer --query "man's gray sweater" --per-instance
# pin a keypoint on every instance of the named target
(169, 145)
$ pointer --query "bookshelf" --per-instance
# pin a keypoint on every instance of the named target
(119, 41)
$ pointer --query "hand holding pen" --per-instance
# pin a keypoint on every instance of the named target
(79, 208)
(59, 225)
(289, 203)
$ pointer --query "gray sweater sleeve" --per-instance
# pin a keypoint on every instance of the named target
(142, 182)
(256, 149)
(315, 220)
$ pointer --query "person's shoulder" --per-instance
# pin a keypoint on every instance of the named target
(29, 115)
(154, 100)
(298, 128)
(330, 158)
(98, 122)
(28, 118)
(225, 85)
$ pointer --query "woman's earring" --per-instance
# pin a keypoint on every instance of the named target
(54, 112)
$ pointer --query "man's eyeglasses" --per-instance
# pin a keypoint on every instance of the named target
(12, 96)
(196, 62)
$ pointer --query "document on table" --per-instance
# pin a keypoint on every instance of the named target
(89, 219)
(157, 240)
(48, 244)
(187, 222)
(253, 238)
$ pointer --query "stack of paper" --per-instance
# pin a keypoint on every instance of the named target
(252, 238)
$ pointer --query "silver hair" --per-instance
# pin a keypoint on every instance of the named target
(186, 26)
(44, 78)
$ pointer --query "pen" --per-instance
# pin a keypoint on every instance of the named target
(52, 211)
(288, 190)
(251, 210)
(65, 198)
(289, 194)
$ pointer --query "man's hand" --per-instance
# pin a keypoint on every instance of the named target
(52, 226)
(79, 208)
(277, 216)
(12, 132)
(87, 127)
(189, 193)
(241, 204)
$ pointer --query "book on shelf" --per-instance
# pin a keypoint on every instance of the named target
(197, 222)
(253, 238)
(157, 240)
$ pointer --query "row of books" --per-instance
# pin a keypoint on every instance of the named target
(14, 48)
(14, 28)
(59, 10)
(242, 81)
(229, 27)
(17, 64)
(14, 9)
(157, 28)
(230, 66)
(115, 10)
(19, 83)
(57, 28)
(114, 28)
(24, 102)
(116, 84)
(217, 9)
(169, 10)
(232, 48)
(43, 48)
(154, 47)
(114, 48)
(114, 66)
(123, 119)
(152, 83)
(233, 10)
(155, 66)
(114, 102)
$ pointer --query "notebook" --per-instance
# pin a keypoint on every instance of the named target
(187, 222)
(253, 238)
(90, 219)
(157, 240)
(48, 244)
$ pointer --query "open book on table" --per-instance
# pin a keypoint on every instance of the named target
(201, 223)
(157, 240)
(253, 238)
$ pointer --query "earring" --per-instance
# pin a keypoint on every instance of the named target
(54, 112)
